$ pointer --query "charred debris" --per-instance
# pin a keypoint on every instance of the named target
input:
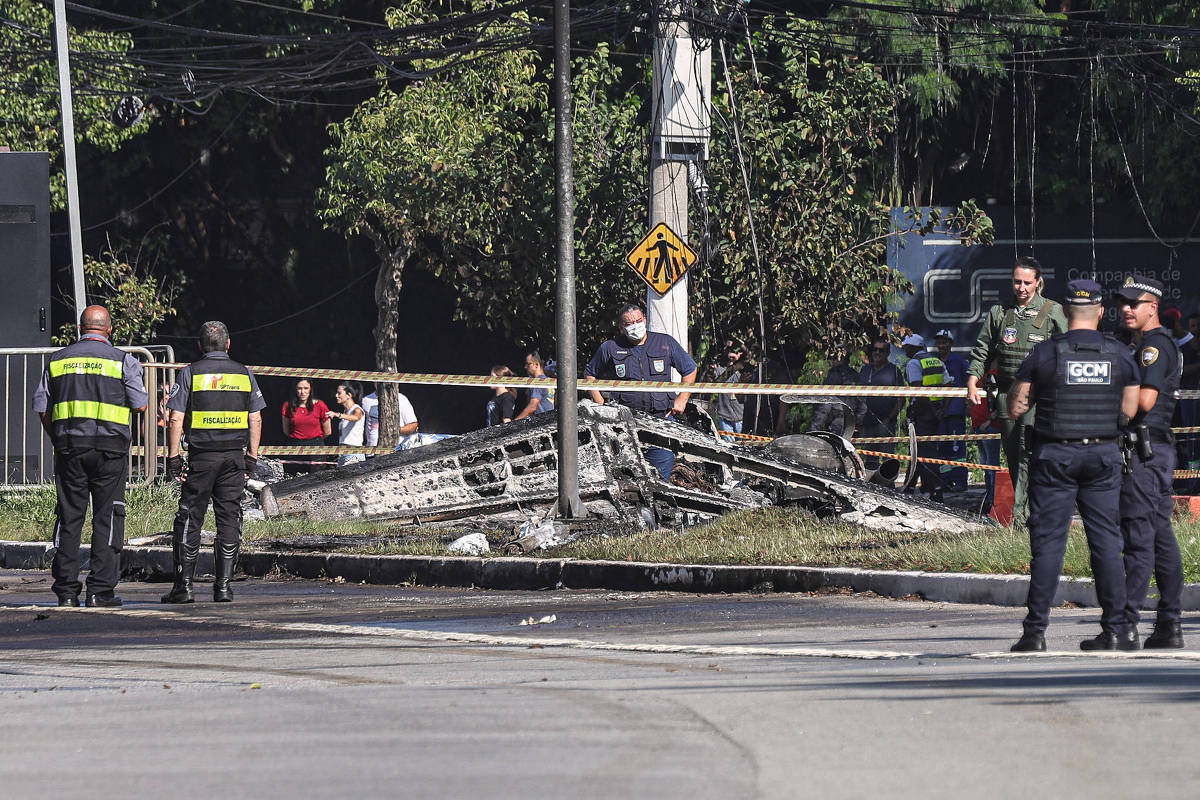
(506, 478)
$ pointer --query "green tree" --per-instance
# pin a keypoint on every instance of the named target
(949, 66)
(29, 97)
(807, 129)
(137, 299)
(416, 173)
(454, 174)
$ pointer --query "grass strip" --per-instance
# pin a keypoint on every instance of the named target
(769, 536)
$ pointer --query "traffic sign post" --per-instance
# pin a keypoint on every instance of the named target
(661, 258)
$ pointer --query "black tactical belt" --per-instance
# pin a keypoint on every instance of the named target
(1101, 440)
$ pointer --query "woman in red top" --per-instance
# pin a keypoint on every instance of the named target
(305, 421)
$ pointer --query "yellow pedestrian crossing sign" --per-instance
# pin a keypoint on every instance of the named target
(661, 259)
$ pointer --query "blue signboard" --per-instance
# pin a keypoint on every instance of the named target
(954, 286)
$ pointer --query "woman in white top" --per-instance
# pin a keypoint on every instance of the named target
(350, 428)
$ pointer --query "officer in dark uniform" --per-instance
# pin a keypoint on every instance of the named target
(1146, 504)
(1085, 386)
(84, 400)
(219, 402)
(640, 355)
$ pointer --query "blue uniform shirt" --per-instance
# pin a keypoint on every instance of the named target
(956, 367)
(651, 360)
(1160, 365)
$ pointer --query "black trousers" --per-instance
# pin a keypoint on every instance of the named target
(80, 474)
(1150, 543)
(219, 476)
(1063, 478)
(925, 421)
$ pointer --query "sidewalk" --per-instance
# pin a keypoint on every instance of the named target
(154, 563)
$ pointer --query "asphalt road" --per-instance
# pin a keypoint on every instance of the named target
(312, 689)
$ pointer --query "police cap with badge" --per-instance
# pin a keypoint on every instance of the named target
(1135, 286)
(1130, 294)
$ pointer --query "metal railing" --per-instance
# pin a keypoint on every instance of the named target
(26, 454)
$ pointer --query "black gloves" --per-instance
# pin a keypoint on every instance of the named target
(175, 468)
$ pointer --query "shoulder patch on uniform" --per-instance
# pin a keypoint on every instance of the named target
(1148, 356)
(1009, 336)
(619, 369)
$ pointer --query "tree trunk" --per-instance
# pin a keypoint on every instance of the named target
(387, 296)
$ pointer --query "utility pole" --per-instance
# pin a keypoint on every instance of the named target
(68, 135)
(570, 506)
(681, 122)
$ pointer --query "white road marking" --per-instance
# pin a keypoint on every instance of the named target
(387, 630)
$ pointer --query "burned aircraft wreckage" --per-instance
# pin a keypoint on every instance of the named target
(508, 474)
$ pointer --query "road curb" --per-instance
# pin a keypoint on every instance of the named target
(154, 564)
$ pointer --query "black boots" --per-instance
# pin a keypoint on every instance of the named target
(1123, 637)
(185, 571)
(1166, 635)
(1030, 643)
(102, 600)
(226, 555)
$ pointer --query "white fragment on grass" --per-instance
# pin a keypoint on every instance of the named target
(473, 544)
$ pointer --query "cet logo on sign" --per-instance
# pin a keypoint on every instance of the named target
(1088, 372)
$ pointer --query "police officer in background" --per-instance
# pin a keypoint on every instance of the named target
(637, 354)
(1007, 335)
(1085, 385)
(84, 400)
(955, 421)
(924, 368)
(1146, 504)
(219, 402)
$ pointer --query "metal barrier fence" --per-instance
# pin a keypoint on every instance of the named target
(26, 455)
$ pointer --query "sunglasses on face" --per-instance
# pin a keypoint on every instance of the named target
(1136, 303)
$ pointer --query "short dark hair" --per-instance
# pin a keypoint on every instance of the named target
(535, 356)
(625, 309)
(214, 336)
(352, 389)
(1079, 312)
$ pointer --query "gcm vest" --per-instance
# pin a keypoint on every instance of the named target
(219, 418)
(88, 397)
(1084, 400)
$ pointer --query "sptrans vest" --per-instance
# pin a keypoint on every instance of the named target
(220, 405)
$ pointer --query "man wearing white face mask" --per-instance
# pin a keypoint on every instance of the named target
(640, 355)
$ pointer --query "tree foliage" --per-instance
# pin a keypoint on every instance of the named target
(457, 171)
(30, 117)
(138, 300)
(819, 264)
